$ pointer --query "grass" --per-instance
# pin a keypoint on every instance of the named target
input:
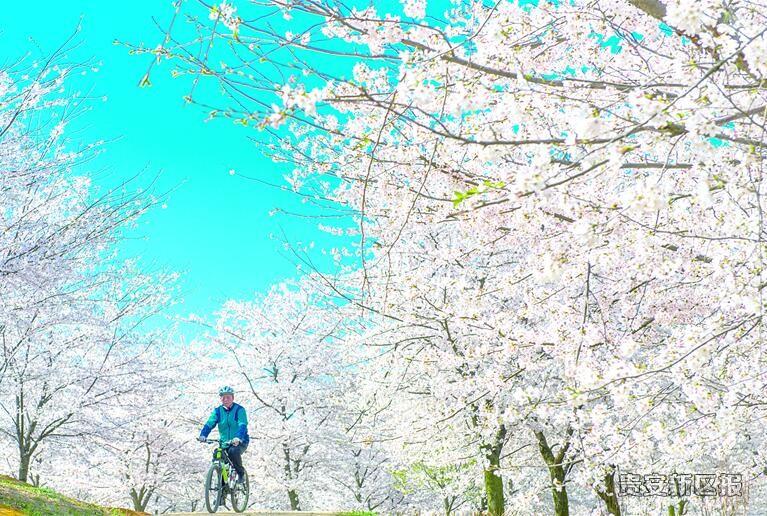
(19, 498)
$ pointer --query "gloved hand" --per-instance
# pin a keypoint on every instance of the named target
(201, 439)
(236, 441)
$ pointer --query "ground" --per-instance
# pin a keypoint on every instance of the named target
(19, 498)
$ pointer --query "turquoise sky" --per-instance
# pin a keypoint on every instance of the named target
(216, 227)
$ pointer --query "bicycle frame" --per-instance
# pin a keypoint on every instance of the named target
(217, 459)
(222, 466)
(221, 457)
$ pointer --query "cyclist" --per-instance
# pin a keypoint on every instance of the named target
(232, 424)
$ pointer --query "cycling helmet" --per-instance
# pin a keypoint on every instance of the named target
(225, 390)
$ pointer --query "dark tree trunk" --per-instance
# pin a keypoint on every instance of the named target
(609, 496)
(140, 498)
(494, 483)
(557, 473)
(24, 458)
(295, 504)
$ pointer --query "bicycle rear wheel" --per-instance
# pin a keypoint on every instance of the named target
(240, 495)
(213, 488)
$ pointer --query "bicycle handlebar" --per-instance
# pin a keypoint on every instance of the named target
(216, 441)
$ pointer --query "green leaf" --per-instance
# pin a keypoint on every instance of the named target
(459, 197)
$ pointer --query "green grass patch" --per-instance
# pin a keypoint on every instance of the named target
(21, 498)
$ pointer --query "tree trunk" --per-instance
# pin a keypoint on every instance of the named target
(295, 504)
(24, 458)
(448, 503)
(494, 490)
(609, 495)
(678, 510)
(483, 505)
(23, 434)
(494, 483)
(557, 473)
(140, 498)
(561, 503)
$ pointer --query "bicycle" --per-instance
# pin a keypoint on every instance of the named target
(221, 481)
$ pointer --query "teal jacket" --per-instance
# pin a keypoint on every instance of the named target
(231, 423)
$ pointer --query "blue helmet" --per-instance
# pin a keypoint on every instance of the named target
(225, 390)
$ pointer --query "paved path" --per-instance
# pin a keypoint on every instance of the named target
(260, 513)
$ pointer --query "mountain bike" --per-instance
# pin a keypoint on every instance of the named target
(221, 481)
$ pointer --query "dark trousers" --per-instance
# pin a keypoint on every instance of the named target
(235, 455)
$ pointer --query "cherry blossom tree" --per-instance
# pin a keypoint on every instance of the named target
(362, 468)
(149, 460)
(70, 312)
(278, 351)
(559, 218)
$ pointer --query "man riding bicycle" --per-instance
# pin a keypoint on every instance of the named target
(232, 426)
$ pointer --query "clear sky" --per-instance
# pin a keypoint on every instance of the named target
(216, 227)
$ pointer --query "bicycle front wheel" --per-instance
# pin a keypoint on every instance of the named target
(213, 488)
(240, 495)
